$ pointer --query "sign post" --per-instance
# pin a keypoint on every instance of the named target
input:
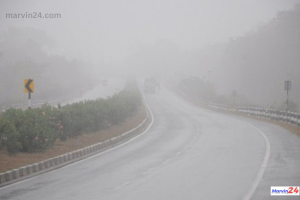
(287, 87)
(29, 88)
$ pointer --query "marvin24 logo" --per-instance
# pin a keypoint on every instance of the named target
(284, 190)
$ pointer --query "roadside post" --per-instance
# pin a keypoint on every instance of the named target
(234, 94)
(287, 87)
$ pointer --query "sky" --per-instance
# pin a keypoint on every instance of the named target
(110, 31)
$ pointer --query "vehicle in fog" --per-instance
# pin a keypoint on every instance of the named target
(150, 85)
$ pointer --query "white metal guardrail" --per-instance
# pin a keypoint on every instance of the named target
(272, 114)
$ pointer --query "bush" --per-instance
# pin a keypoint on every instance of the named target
(35, 130)
(9, 136)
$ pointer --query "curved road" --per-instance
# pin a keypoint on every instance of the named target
(188, 153)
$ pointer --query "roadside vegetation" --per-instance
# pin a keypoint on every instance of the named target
(37, 129)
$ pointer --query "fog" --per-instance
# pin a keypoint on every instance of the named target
(190, 38)
(112, 30)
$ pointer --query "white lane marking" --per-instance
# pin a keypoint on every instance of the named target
(265, 160)
(149, 171)
(166, 161)
(177, 154)
(90, 157)
(190, 143)
(120, 186)
(263, 165)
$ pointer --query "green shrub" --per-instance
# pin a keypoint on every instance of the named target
(9, 135)
(35, 130)
(14, 115)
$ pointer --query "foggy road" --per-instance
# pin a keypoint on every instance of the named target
(188, 153)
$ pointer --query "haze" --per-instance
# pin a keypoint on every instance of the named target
(150, 37)
(112, 30)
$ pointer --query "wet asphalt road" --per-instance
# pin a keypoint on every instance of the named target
(188, 153)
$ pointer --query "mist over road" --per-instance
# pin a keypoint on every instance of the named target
(188, 153)
(109, 88)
